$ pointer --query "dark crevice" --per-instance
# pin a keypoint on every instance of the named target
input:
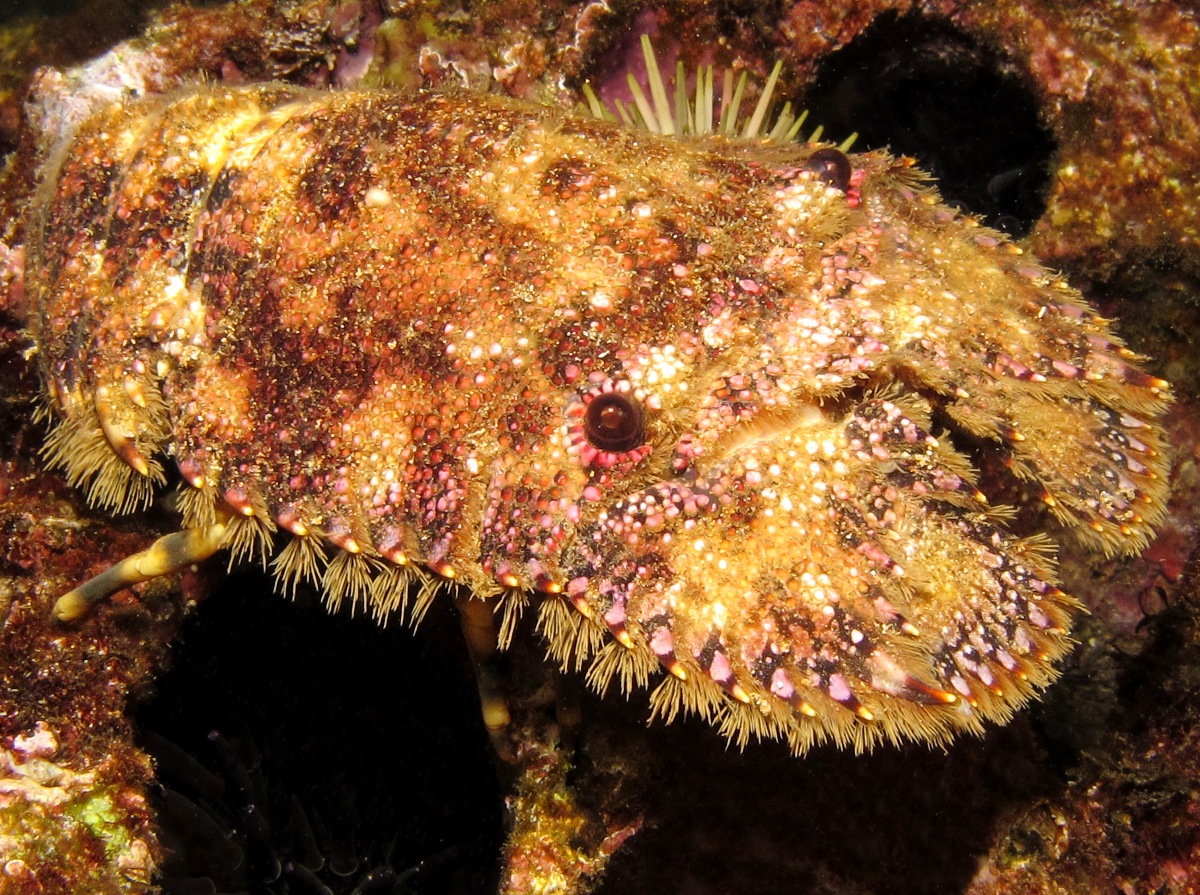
(922, 88)
(293, 745)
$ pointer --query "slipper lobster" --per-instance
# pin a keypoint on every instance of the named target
(722, 400)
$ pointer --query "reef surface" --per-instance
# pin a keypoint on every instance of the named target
(1092, 790)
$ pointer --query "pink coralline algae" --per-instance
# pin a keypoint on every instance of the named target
(48, 810)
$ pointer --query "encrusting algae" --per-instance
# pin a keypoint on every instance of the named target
(65, 811)
(721, 400)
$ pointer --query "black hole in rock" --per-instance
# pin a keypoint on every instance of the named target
(922, 88)
(16, 8)
(345, 755)
(132, 10)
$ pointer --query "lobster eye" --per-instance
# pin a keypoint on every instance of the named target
(831, 166)
(614, 423)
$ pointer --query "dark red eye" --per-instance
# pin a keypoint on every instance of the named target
(614, 422)
(831, 166)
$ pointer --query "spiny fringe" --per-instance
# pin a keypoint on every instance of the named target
(698, 695)
(739, 723)
(389, 592)
(430, 586)
(349, 576)
(632, 668)
(764, 719)
(571, 639)
(249, 538)
(696, 115)
(379, 587)
(511, 606)
(302, 560)
(78, 447)
(197, 506)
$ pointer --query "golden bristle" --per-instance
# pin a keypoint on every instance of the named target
(697, 116)
(511, 607)
(301, 561)
(428, 587)
(631, 668)
(248, 538)
(389, 591)
(348, 576)
(79, 447)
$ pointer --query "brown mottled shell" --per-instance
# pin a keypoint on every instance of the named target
(692, 387)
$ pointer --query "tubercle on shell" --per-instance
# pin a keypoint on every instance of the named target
(377, 322)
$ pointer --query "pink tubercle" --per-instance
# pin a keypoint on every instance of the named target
(191, 470)
(289, 520)
(839, 690)
(781, 684)
(720, 669)
(238, 498)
